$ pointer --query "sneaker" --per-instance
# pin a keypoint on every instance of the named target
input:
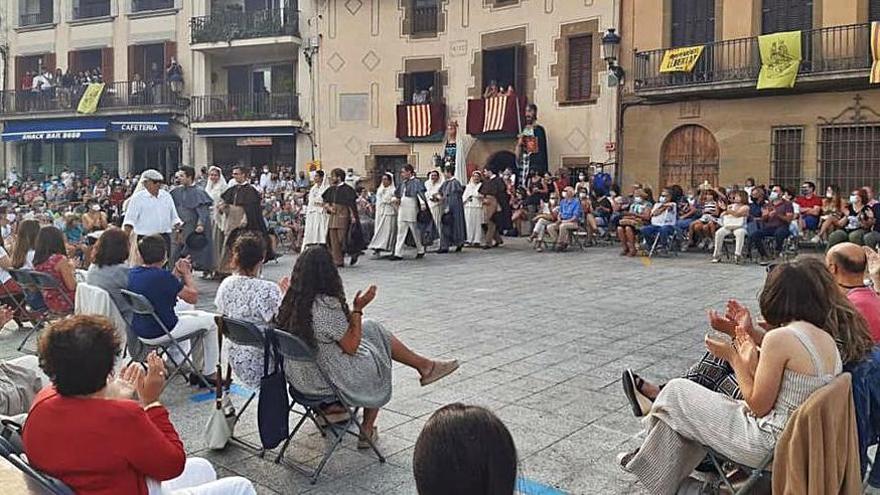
(716, 260)
(738, 259)
(816, 239)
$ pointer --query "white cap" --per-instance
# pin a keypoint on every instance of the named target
(152, 175)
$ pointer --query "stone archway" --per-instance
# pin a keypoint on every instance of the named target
(689, 157)
(483, 151)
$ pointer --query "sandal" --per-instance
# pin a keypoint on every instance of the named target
(632, 389)
(363, 443)
(440, 369)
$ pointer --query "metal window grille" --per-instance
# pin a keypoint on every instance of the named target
(849, 155)
(787, 156)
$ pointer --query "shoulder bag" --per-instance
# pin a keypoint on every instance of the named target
(273, 408)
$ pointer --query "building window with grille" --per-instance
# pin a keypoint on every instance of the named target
(425, 16)
(787, 156)
(849, 156)
(580, 68)
(35, 12)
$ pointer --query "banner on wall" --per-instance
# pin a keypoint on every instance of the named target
(89, 101)
(680, 59)
(780, 59)
(875, 52)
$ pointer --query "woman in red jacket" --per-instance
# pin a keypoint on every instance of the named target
(91, 436)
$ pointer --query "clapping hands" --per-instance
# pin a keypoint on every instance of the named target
(362, 299)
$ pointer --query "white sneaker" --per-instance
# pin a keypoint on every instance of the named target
(716, 260)
(816, 239)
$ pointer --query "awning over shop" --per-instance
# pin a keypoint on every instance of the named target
(246, 132)
(83, 128)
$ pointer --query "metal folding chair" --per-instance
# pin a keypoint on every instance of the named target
(44, 283)
(16, 457)
(295, 350)
(755, 474)
(37, 316)
(245, 334)
(142, 306)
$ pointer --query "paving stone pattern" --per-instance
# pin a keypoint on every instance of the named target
(542, 339)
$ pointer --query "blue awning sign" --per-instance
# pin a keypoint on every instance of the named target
(81, 128)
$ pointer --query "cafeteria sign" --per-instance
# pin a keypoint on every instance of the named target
(680, 59)
(253, 141)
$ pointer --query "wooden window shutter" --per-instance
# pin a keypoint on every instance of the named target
(170, 52)
(786, 15)
(49, 62)
(72, 61)
(19, 72)
(136, 61)
(580, 65)
(107, 64)
(693, 22)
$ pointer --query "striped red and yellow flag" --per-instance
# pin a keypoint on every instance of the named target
(495, 111)
(418, 120)
(875, 52)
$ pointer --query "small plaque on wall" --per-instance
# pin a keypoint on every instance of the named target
(689, 109)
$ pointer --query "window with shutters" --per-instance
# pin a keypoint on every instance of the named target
(422, 87)
(87, 9)
(425, 14)
(874, 10)
(693, 22)
(580, 67)
(504, 68)
(787, 156)
(786, 15)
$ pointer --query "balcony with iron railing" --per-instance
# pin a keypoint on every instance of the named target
(425, 20)
(150, 5)
(90, 11)
(229, 26)
(244, 106)
(131, 96)
(36, 19)
(830, 53)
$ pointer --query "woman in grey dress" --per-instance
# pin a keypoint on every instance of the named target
(355, 354)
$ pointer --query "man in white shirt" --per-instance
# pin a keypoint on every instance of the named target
(151, 211)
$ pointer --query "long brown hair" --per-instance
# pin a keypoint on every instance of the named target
(804, 290)
(25, 240)
(314, 274)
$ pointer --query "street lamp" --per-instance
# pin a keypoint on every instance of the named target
(610, 50)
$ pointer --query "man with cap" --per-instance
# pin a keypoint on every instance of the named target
(193, 238)
(151, 210)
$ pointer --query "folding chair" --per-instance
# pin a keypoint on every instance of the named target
(294, 350)
(15, 457)
(245, 334)
(142, 306)
(755, 474)
(37, 317)
(45, 282)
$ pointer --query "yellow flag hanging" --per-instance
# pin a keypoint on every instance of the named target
(680, 59)
(875, 52)
(89, 101)
(780, 59)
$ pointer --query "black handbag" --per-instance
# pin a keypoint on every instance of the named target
(273, 408)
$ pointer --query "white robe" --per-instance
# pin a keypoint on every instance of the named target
(316, 218)
(436, 207)
(473, 213)
(385, 233)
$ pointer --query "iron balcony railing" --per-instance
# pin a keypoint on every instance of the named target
(228, 26)
(148, 5)
(94, 10)
(35, 19)
(244, 106)
(121, 94)
(424, 20)
(827, 50)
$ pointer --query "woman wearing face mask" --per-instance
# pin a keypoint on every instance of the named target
(638, 214)
(833, 208)
(733, 221)
(548, 214)
(519, 215)
(688, 211)
(702, 231)
(473, 210)
(663, 217)
(858, 220)
(583, 184)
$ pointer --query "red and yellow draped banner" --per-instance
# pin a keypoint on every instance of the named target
(495, 111)
(418, 120)
(875, 52)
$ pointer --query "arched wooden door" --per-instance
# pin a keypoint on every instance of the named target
(689, 157)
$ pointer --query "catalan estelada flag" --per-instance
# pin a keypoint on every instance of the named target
(780, 59)
(875, 52)
(418, 120)
(89, 101)
(495, 111)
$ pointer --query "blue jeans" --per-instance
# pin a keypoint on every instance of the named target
(811, 222)
(650, 231)
(779, 233)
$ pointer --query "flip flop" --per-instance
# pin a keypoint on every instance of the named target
(364, 444)
(632, 383)
(440, 370)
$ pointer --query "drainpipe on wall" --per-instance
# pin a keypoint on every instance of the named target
(4, 73)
